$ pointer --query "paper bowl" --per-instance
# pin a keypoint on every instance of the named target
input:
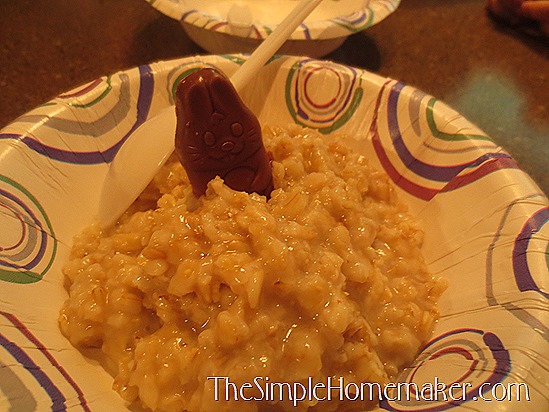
(206, 23)
(486, 225)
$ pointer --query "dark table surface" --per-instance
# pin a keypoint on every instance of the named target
(496, 77)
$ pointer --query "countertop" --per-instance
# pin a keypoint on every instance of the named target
(496, 77)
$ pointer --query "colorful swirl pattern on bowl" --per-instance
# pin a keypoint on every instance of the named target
(340, 96)
(486, 223)
(473, 360)
(28, 245)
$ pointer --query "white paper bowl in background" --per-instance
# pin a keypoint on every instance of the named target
(486, 225)
(207, 23)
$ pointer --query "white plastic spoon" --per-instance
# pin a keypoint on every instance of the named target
(148, 148)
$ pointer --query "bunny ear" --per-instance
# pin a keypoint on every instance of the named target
(193, 99)
(224, 96)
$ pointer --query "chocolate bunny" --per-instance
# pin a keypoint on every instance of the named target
(217, 135)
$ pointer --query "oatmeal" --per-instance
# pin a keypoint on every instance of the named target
(324, 279)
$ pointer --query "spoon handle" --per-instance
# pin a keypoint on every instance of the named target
(272, 43)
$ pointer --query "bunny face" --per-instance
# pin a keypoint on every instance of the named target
(217, 135)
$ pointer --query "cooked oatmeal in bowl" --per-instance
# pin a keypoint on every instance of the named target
(323, 280)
